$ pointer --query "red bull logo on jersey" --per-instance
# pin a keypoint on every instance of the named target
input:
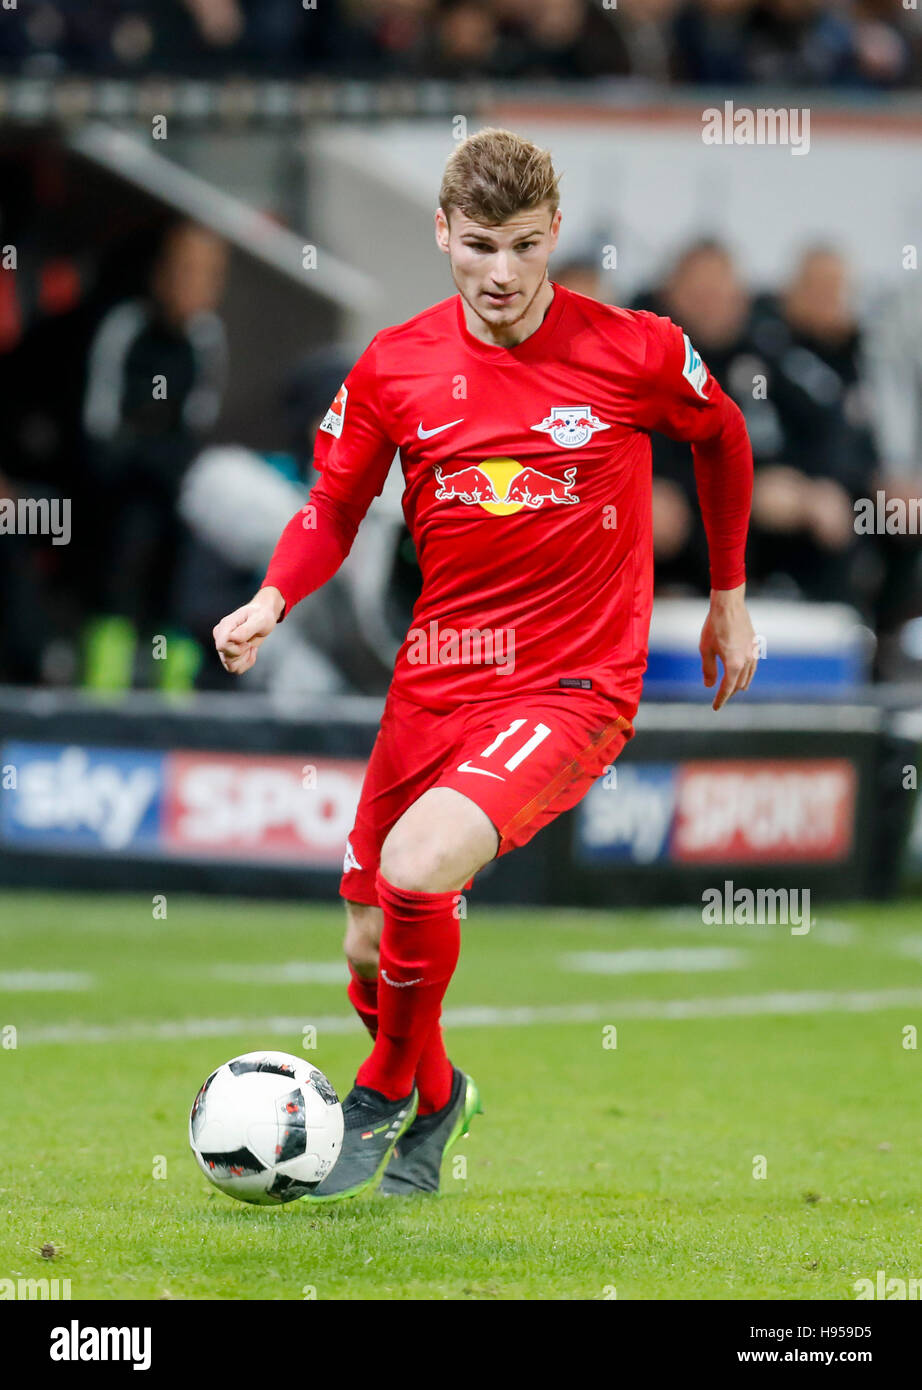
(468, 485)
(503, 486)
(533, 488)
(571, 426)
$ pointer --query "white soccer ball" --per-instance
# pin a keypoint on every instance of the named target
(266, 1127)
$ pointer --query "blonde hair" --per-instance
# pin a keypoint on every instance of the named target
(495, 174)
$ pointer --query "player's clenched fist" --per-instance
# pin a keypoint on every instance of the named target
(239, 636)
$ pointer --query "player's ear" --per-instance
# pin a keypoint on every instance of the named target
(555, 227)
(441, 230)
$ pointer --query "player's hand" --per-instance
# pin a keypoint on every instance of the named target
(239, 636)
(728, 634)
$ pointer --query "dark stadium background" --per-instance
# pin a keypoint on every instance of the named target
(305, 144)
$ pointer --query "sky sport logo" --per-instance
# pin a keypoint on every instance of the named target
(762, 125)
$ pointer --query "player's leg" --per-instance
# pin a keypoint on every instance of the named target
(363, 933)
(408, 755)
(448, 1097)
(434, 1072)
(438, 844)
(536, 758)
(435, 847)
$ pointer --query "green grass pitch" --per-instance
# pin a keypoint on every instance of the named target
(597, 1170)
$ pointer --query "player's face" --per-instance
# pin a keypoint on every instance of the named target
(499, 270)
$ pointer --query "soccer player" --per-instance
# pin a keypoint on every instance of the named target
(521, 412)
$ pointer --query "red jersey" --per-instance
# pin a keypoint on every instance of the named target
(528, 493)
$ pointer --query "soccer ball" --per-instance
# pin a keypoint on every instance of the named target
(266, 1127)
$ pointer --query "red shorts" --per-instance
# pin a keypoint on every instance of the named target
(543, 752)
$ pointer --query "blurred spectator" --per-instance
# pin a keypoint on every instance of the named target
(234, 504)
(199, 36)
(712, 38)
(793, 43)
(799, 43)
(585, 276)
(792, 367)
(374, 38)
(646, 31)
(812, 333)
(894, 370)
(154, 383)
(803, 501)
(869, 43)
(894, 366)
(570, 39)
(705, 296)
(40, 283)
(467, 39)
(883, 54)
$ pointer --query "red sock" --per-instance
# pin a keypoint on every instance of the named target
(363, 996)
(434, 1073)
(420, 943)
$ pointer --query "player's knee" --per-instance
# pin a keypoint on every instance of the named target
(363, 933)
(417, 866)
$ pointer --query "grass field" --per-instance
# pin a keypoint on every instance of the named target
(595, 1168)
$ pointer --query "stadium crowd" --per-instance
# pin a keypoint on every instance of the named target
(173, 524)
(860, 44)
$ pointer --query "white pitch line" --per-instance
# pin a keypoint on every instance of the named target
(488, 1016)
(40, 981)
(294, 972)
(828, 931)
(655, 960)
(831, 932)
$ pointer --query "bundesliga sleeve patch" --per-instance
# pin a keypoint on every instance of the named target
(332, 422)
(694, 371)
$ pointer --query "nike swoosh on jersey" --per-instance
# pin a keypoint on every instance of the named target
(426, 434)
(466, 767)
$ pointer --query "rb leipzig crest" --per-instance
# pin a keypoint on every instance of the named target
(571, 426)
